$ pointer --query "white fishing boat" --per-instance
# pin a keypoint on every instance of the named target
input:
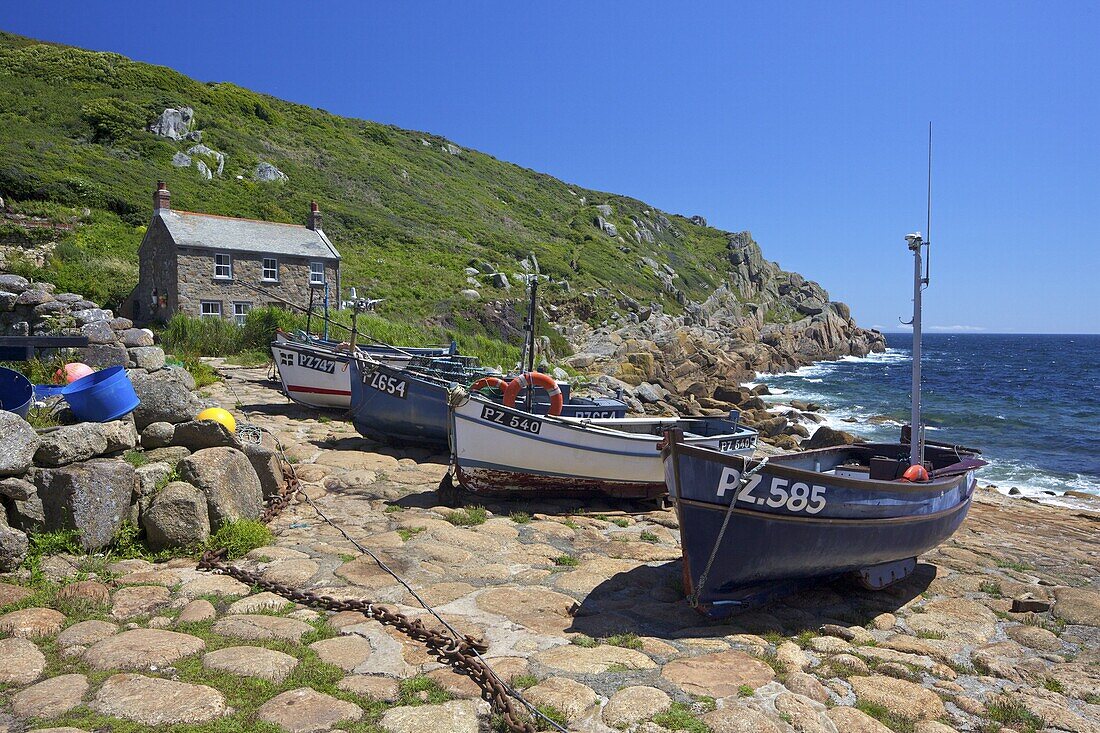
(314, 372)
(501, 451)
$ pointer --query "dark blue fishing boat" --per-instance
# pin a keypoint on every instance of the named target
(750, 529)
(398, 405)
(746, 524)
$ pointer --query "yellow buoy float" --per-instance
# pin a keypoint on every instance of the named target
(219, 415)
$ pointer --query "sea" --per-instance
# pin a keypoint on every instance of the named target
(1031, 403)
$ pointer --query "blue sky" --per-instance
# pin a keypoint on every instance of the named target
(802, 122)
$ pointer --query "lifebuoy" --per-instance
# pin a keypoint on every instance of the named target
(535, 379)
(488, 382)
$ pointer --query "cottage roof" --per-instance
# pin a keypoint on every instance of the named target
(189, 229)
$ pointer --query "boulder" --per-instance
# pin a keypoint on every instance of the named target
(226, 477)
(69, 444)
(103, 356)
(17, 489)
(268, 467)
(134, 337)
(14, 283)
(18, 444)
(92, 497)
(173, 124)
(120, 435)
(157, 435)
(98, 332)
(13, 546)
(826, 437)
(195, 435)
(149, 358)
(470, 294)
(27, 514)
(264, 171)
(181, 159)
(164, 397)
(500, 280)
(177, 517)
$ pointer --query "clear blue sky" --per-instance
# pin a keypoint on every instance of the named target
(802, 122)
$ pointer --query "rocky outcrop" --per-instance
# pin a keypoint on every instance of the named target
(264, 171)
(174, 124)
(226, 477)
(92, 497)
(761, 319)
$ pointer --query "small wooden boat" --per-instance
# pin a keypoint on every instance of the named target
(750, 529)
(399, 405)
(746, 524)
(314, 371)
(502, 451)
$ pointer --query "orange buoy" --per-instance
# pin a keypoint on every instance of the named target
(489, 382)
(72, 372)
(915, 474)
(535, 379)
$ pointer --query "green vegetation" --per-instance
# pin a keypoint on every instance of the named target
(647, 536)
(407, 215)
(931, 635)
(1014, 565)
(679, 716)
(1014, 714)
(884, 716)
(990, 587)
(620, 521)
(393, 509)
(135, 458)
(582, 640)
(1054, 685)
(467, 516)
(409, 532)
(566, 561)
(241, 536)
(523, 681)
(626, 640)
(553, 714)
(520, 517)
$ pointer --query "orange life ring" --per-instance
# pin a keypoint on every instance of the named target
(488, 382)
(535, 379)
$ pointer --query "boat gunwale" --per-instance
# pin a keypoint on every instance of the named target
(778, 469)
(863, 521)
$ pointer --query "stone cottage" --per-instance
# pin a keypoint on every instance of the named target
(222, 267)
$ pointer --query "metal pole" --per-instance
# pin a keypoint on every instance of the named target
(326, 310)
(309, 312)
(916, 434)
(531, 338)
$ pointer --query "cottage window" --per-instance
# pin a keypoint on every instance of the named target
(316, 273)
(271, 270)
(210, 308)
(240, 312)
(223, 267)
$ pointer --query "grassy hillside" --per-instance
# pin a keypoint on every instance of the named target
(407, 214)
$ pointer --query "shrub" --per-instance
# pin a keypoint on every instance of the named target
(467, 517)
(240, 537)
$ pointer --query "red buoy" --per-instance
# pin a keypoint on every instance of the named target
(915, 474)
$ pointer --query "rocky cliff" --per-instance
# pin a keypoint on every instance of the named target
(761, 319)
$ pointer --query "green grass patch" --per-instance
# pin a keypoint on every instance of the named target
(523, 681)
(408, 533)
(991, 588)
(421, 690)
(393, 509)
(679, 716)
(647, 536)
(1053, 685)
(520, 517)
(884, 716)
(469, 516)
(585, 641)
(551, 712)
(625, 640)
(1016, 565)
(566, 561)
(620, 522)
(1014, 714)
(931, 635)
(241, 536)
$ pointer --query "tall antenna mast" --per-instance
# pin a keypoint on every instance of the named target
(920, 281)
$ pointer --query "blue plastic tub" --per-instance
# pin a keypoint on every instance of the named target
(42, 391)
(16, 392)
(101, 397)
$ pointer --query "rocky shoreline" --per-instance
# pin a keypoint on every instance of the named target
(580, 605)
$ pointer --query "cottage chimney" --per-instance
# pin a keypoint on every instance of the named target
(314, 216)
(162, 198)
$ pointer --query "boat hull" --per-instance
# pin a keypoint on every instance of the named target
(790, 524)
(317, 374)
(498, 451)
(391, 405)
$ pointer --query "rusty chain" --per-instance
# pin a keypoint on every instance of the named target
(462, 654)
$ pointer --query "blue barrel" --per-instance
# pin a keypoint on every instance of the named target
(101, 397)
(16, 392)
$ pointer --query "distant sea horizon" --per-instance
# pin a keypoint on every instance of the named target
(1031, 402)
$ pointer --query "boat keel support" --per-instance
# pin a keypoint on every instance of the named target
(879, 577)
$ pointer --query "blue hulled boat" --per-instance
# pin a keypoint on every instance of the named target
(746, 524)
(398, 405)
